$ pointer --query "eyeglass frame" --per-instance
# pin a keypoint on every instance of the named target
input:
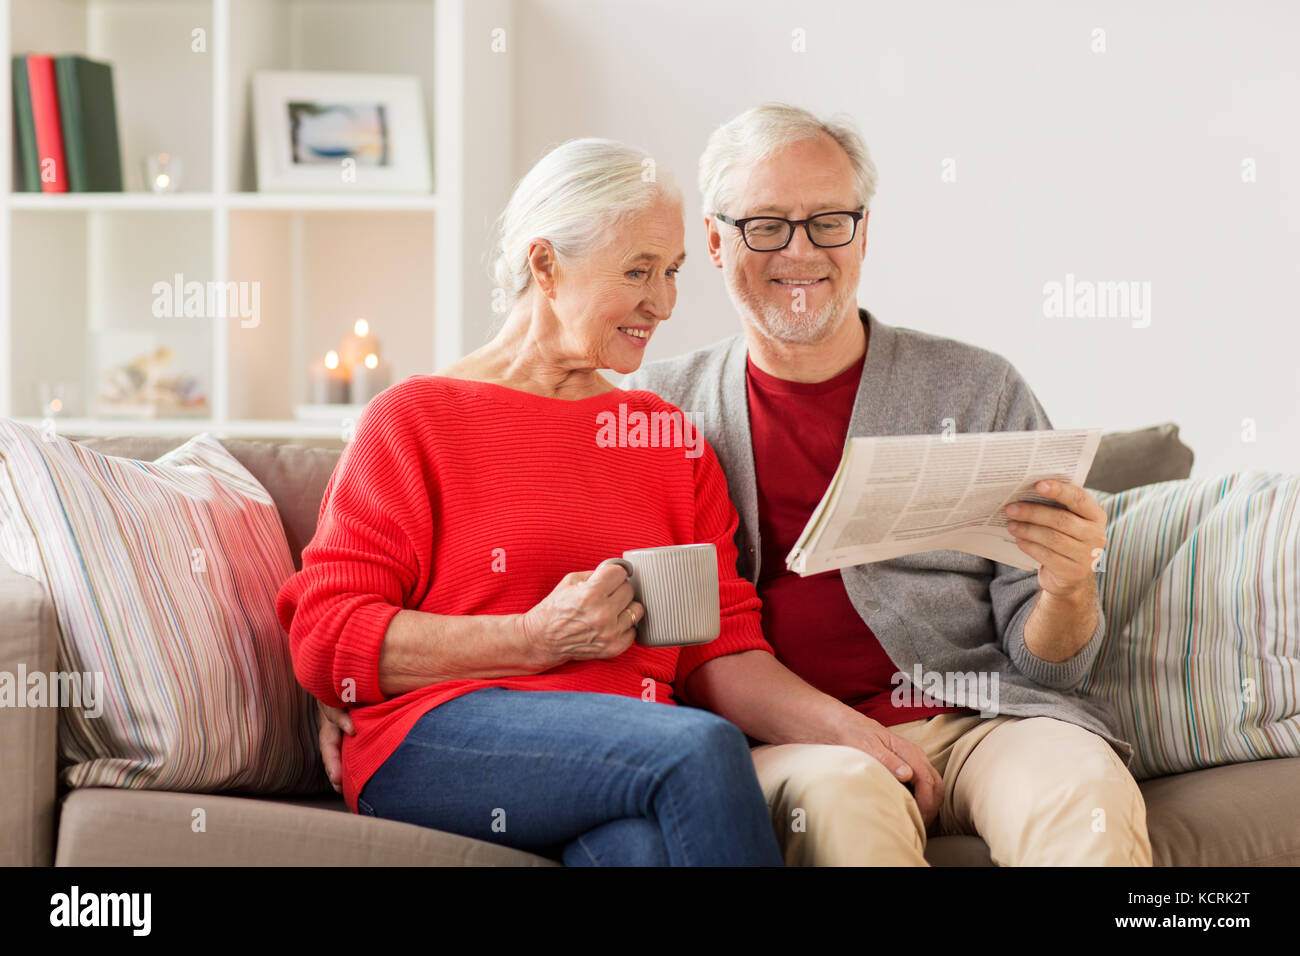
(857, 214)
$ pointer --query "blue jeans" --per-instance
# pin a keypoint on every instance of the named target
(589, 779)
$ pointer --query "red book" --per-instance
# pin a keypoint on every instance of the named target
(45, 116)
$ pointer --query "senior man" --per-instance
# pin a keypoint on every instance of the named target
(786, 200)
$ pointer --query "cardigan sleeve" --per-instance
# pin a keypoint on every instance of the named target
(368, 559)
(1014, 591)
(715, 522)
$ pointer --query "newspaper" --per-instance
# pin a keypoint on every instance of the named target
(903, 494)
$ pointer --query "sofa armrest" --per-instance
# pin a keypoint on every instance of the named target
(29, 643)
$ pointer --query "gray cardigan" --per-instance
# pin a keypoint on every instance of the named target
(946, 611)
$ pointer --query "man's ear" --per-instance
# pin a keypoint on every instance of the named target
(542, 263)
(713, 240)
(862, 240)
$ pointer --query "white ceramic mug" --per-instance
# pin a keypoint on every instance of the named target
(678, 587)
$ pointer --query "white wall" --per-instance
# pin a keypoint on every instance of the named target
(1119, 165)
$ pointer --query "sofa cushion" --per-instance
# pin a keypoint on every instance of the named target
(163, 577)
(294, 475)
(1239, 815)
(1142, 457)
(957, 850)
(102, 827)
(1202, 646)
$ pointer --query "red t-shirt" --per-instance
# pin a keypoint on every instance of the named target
(798, 431)
(464, 497)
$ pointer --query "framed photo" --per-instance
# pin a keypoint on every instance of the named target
(325, 132)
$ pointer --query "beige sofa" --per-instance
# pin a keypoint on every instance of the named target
(1240, 815)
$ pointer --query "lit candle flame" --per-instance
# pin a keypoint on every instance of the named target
(331, 359)
(361, 328)
(372, 360)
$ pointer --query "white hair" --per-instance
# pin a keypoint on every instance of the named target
(575, 195)
(762, 130)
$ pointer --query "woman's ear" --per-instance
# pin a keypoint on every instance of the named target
(541, 260)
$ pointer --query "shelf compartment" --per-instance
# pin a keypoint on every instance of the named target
(318, 272)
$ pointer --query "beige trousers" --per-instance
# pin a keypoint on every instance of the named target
(1039, 791)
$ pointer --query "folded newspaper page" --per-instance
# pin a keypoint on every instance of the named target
(903, 494)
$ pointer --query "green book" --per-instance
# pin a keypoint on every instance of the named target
(89, 121)
(27, 163)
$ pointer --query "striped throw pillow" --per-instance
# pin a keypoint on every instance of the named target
(1201, 591)
(163, 575)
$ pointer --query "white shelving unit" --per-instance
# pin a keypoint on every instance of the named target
(77, 269)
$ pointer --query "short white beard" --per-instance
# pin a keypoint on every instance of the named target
(785, 324)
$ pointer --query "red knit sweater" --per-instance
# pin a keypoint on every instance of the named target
(462, 497)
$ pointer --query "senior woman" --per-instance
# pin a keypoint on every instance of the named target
(448, 599)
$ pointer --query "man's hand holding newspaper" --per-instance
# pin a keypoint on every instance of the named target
(901, 495)
(1067, 540)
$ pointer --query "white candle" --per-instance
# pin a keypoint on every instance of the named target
(356, 346)
(369, 378)
(163, 172)
(329, 381)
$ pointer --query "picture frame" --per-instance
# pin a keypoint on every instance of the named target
(340, 132)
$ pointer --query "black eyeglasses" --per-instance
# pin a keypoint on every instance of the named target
(770, 233)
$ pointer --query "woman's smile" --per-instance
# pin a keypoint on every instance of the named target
(637, 334)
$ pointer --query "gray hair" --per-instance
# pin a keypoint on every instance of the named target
(762, 130)
(574, 197)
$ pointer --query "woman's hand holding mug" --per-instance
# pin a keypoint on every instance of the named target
(589, 615)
